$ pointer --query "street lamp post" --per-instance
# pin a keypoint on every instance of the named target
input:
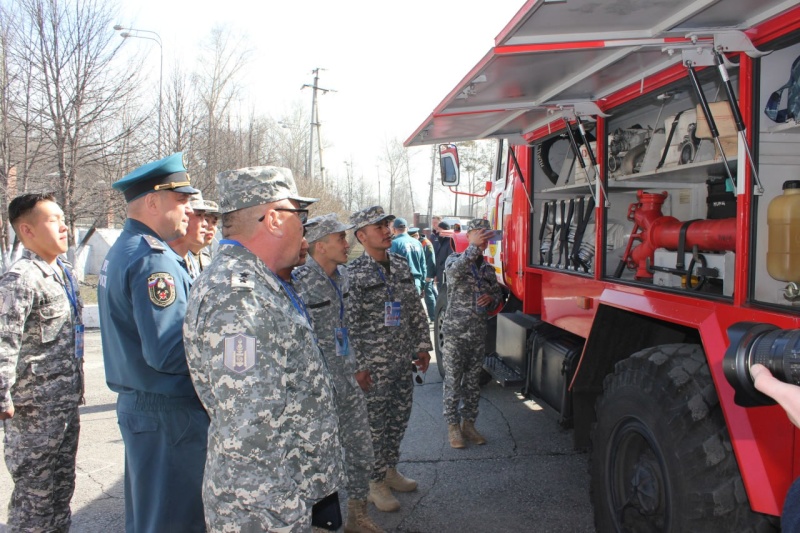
(133, 33)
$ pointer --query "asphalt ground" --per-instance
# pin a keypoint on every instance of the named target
(526, 478)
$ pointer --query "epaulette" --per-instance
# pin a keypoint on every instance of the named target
(154, 243)
(241, 280)
(300, 273)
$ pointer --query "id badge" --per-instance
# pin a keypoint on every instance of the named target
(391, 314)
(342, 342)
(79, 341)
(480, 309)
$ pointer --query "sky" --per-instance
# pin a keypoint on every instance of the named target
(390, 63)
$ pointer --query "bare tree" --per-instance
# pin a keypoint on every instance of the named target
(223, 57)
(79, 90)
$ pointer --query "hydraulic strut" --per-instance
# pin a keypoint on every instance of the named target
(712, 125)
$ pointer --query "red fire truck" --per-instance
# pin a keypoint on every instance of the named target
(647, 184)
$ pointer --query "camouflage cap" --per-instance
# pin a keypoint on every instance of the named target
(478, 223)
(197, 203)
(251, 186)
(324, 225)
(370, 215)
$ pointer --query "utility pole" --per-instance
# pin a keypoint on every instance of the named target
(315, 124)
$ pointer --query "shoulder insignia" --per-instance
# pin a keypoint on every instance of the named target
(154, 243)
(240, 353)
(242, 280)
(161, 288)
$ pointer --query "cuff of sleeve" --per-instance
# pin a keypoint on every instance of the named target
(5, 402)
(472, 252)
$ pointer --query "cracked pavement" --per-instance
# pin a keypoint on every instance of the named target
(526, 478)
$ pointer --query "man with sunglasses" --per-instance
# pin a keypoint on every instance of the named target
(210, 211)
(390, 328)
(274, 455)
(324, 285)
(142, 292)
(188, 246)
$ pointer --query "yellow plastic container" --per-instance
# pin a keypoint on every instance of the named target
(783, 219)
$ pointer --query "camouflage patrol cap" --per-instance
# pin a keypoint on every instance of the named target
(324, 225)
(251, 186)
(198, 203)
(369, 215)
(478, 223)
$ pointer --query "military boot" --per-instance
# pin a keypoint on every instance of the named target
(382, 497)
(470, 433)
(358, 521)
(454, 434)
(397, 481)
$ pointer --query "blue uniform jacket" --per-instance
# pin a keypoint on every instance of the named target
(411, 250)
(142, 294)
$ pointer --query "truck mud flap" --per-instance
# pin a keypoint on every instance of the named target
(554, 354)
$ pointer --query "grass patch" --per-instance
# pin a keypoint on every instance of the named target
(89, 289)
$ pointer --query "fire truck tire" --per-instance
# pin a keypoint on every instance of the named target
(438, 336)
(661, 455)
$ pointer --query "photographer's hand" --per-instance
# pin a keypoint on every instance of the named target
(787, 395)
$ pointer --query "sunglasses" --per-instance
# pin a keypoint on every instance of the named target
(419, 377)
(301, 213)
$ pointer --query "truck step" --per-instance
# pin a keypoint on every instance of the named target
(501, 372)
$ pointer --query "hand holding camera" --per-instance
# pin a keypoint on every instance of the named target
(786, 394)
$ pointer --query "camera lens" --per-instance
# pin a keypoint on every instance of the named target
(778, 351)
(755, 343)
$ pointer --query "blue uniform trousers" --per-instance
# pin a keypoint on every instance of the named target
(429, 293)
(165, 453)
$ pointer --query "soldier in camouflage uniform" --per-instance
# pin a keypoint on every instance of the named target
(324, 286)
(390, 328)
(41, 368)
(472, 291)
(274, 448)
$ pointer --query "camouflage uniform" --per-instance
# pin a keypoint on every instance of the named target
(386, 351)
(464, 331)
(41, 377)
(274, 446)
(323, 302)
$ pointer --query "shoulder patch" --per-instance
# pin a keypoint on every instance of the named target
(240, 353)
(161, 288)
(154, 243)
(241, 280)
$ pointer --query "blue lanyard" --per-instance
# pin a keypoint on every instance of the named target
(341, 301)
(295, 298)
(389, 291)
(69, 288)
(478, 278)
